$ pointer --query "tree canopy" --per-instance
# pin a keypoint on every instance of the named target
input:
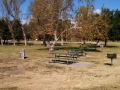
(60, 19)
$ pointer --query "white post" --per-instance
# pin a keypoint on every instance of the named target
(22, 53)
(101, 47)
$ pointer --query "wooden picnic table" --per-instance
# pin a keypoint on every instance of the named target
(63, 56)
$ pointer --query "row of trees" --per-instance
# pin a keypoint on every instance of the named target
(10, 10)
(52, 20)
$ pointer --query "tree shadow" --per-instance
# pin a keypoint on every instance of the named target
(111, 46)
(92, 50)
(70, 48)
(43, 49)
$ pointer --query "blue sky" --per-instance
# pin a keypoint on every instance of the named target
(111, 4)
(25, 5)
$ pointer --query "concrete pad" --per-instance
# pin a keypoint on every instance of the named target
(73, 65)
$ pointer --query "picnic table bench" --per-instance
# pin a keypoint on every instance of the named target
(54, 60)
(63, 57)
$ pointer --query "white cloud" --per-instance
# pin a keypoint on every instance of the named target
(25, 21)
(98, 11)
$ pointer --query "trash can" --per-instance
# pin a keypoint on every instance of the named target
(22, 53)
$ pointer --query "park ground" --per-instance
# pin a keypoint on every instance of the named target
(31, 74)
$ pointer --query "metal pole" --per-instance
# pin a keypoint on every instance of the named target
(111, 61)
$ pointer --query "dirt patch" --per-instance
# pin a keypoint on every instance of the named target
(73, 65)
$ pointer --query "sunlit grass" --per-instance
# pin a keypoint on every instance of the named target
(30, 74)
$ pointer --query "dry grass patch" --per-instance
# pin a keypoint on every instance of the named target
(30, 74)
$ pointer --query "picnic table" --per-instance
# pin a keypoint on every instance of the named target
(89, 47)
(68, 57)
(80, 52)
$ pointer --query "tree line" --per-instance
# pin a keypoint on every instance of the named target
(58, 20)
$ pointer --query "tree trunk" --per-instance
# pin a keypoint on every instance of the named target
(11, 30)
(98, 42)
(55, 35)
(83, 41)
(13, 39)
(105, 42)
(1, 41)
(61, 41)
(44, 40)
(24, 35)
(48, 43)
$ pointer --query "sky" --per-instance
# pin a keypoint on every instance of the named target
(110, 4)
(25, 5)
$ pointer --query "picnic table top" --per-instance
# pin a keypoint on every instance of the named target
(66, 53)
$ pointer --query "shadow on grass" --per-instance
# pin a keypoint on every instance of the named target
(43, 49)
(111, 46)
(10, 88)
(69, 48)
(57, 48)
(25, 57)
(62, 62)
(20, 44)
(92, 50)
(108, 64)
(66, 43)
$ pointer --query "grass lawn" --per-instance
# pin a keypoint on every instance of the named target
(30, 74)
